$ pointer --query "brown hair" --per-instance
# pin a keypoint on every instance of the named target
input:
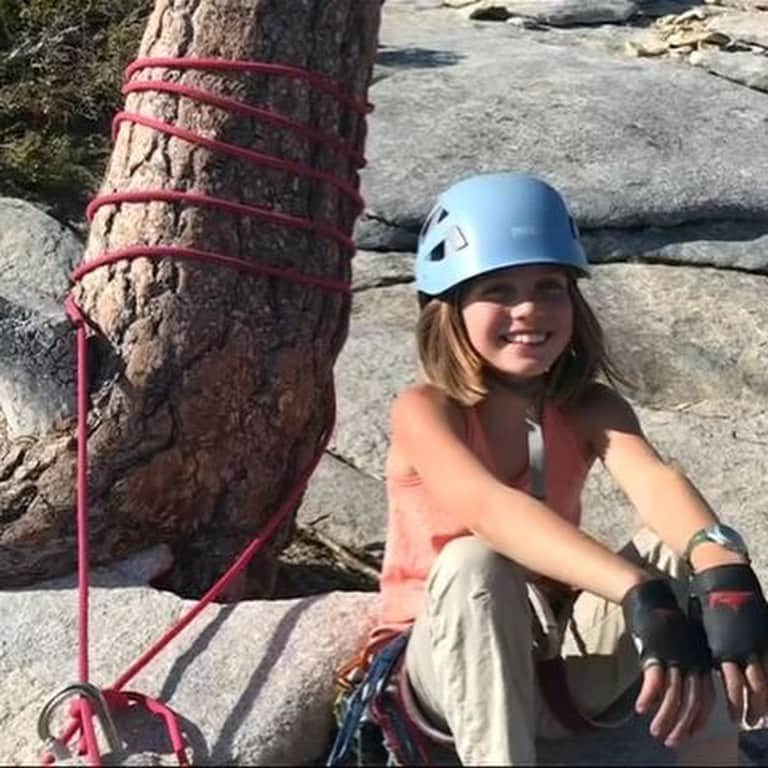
(450, 362)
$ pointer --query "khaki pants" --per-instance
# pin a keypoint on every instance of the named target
(470, 663)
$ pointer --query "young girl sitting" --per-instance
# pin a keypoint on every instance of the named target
(485, 471)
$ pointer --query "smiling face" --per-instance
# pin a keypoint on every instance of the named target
(519, 320)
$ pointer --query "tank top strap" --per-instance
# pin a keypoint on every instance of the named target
(476, 438)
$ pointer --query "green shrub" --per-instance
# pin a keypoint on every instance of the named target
(61, 67)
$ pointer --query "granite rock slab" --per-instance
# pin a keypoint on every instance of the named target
(252, 683)
(741, 67)
(37, 255)
(474, 97)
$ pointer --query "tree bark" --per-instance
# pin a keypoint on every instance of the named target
(209, 388)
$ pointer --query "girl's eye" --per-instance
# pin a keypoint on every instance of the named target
(497, 292)
(552, 289)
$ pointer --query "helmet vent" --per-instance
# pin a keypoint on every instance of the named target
(435, 217)
(438, 252)
(456, 240)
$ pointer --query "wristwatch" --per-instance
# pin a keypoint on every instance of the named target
(717, 534)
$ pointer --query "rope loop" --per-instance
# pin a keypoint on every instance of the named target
(81, 724)
(319, 81)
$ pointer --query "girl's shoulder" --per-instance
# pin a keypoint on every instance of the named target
(421, 400)
(602, 402)
(425, 410)
(597, 411)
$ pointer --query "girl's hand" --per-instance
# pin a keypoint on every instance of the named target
(734, 613)
(685, 702)
(675, 659)
(750, 684)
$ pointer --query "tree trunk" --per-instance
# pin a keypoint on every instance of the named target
(210, 388)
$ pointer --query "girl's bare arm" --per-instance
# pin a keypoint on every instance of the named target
(665, 499)
(427, 429)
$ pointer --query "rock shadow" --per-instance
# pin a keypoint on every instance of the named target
(137, 570)
(221, 751)
(309, 566)
(691, 243)
(202, 641)
(416, 58)
(145, 736)
(660, 244)
(300, 580)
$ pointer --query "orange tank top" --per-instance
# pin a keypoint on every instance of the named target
(417, 529)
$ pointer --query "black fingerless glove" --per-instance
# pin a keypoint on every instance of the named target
(733, 611)
(662, 632)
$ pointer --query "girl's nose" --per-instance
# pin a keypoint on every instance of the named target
(524, 307)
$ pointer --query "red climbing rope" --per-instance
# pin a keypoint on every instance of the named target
(254, 158)
(114, 697)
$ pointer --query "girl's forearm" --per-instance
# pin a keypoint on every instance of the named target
(675, 510)
(537, 538)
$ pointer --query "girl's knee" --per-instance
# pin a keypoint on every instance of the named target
(470, 566)
(647, 549)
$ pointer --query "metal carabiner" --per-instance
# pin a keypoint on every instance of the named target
(95, 697)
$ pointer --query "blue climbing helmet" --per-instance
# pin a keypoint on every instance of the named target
(491, 221)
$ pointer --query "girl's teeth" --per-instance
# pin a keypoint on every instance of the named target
(527, 338)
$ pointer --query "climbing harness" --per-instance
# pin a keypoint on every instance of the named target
(380, 721)
(378, 717)
(89, 699)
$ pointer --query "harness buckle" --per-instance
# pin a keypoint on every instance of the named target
(88, 691)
